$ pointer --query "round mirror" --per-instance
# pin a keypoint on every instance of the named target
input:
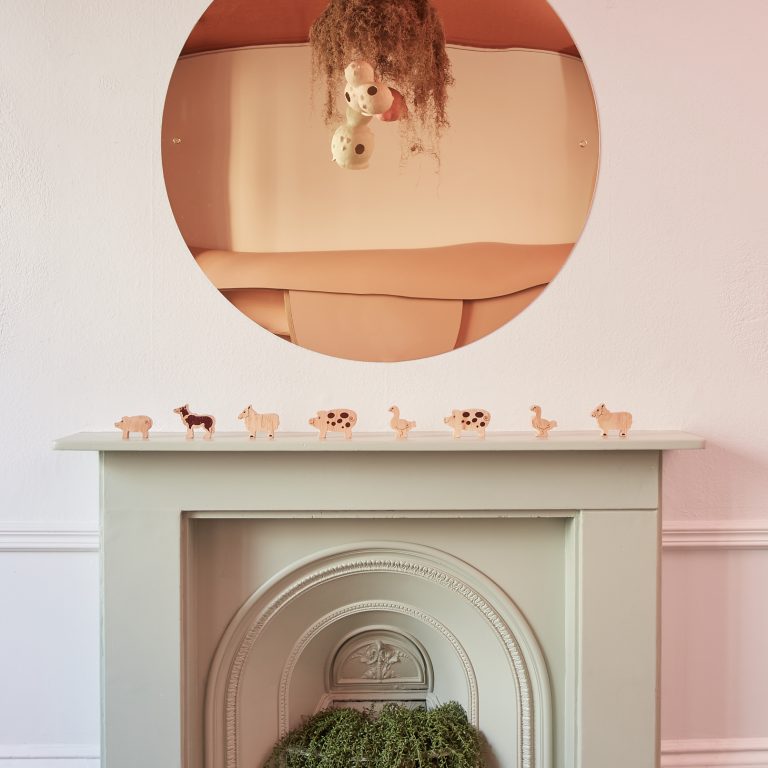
(414, 255)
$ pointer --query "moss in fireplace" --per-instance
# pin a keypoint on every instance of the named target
(395, 737)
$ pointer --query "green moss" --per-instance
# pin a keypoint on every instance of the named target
(396, 738)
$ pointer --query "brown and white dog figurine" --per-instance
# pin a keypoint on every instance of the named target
(192, 420)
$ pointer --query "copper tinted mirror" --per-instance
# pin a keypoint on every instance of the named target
(410, 257)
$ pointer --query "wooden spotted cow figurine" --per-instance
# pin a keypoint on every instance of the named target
(192, 420)
(339, 420)
(475, 419)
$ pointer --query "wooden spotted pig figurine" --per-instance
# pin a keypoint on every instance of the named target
(338, 420)
(192, 420)
(475, 419)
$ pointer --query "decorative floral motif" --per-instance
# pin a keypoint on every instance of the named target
(379, 657)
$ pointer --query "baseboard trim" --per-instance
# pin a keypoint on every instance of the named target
(714, 753)
(45, 752)
(25, 537)
(680, 753)
(715, 534)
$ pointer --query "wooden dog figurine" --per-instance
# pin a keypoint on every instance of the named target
(192, 420)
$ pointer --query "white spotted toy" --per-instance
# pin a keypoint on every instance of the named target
(353, 142)
(363, 93)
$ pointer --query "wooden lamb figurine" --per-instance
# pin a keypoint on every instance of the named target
(338, 420)
(620, 420)
(475, 419)
(192, 420)
(259, 422)
(401, 426)
(542, 426)
(135, 424)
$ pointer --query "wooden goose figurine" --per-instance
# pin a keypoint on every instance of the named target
(401, 426)
(542, 426)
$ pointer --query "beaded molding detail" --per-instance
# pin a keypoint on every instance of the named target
(521, 675)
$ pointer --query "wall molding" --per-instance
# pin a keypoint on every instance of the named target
(47, 537)
(713, 753)
(676, 534)
(715, 534)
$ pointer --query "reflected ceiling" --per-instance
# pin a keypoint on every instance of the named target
(477, 23)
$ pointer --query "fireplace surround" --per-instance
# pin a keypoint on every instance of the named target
(247, 583)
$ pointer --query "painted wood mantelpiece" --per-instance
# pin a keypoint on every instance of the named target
(527, 568)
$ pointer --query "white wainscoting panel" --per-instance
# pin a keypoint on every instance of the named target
(49, 646)
(714, 634)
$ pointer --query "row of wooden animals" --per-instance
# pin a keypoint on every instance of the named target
(344, 419)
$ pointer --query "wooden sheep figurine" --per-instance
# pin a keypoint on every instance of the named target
(259, 422)
(338, 420)
(401, 426)
(606, 420)
(542, 426)
(135, 424)
(192, 420)
(475, 419)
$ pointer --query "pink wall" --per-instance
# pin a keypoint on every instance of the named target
(662, 309)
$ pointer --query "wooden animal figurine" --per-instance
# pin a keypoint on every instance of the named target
(542, 426)
(475, 419)
(339, 420)
(192, 420)
(259, 422)
(135, 424)
(606, 420)
(401, 426)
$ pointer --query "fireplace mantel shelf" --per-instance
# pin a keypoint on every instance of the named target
(227, 442)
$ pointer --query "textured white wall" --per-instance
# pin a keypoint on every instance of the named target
(662, 309)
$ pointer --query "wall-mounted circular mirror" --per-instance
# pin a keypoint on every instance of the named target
(410, 257)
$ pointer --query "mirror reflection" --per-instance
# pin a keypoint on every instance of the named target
(410, 257)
